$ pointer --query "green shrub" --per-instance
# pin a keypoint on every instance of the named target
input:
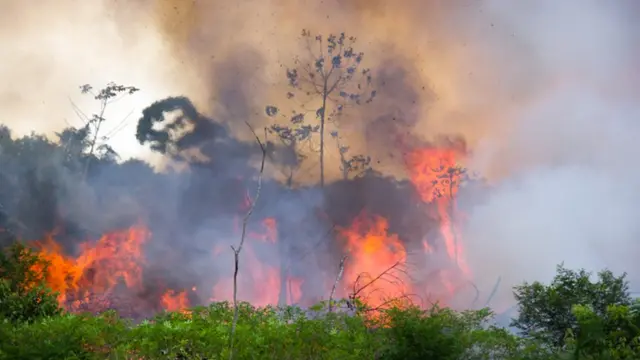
(63, 337)
(414, 334)
(23, 292)
(545, 311)
(612, 335)
(266, 333)
(603, 327)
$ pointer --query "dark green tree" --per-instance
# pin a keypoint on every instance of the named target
(612, 335)
(325, 82)
(546, 311)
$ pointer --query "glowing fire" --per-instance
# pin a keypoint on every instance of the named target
(376, 258)
(375, 268)
(259, 282)
(174, 301)
(436, 176)
(116, 258)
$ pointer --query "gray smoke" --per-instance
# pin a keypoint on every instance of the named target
(563, 162)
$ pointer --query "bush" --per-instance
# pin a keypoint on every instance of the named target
(266, 333)
(63, 337)
(23, 293)
(602, 325)
(546, 311)
(613, 335)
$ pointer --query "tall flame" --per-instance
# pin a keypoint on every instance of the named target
(437, 176)
(116, 258)
(376, 259)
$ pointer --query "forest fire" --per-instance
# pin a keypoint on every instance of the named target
(263, 285)
(114, 259)
(437, 176)
(375, 270)
(376, 257)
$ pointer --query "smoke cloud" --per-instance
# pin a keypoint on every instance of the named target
(543, 92)
(562, 158)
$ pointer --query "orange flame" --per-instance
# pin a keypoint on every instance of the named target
(376, 257)
(174, 301)
(114, 259)
(259, 282)
(374, 269)
(437, 176)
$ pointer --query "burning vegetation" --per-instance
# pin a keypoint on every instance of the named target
(382, 240)
(379, 267)
(325, 186)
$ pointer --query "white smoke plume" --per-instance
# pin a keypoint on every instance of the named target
(565, 180)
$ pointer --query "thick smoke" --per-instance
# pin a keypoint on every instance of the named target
(563, 158)
(542, 91)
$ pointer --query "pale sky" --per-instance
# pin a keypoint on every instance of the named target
(46, 58)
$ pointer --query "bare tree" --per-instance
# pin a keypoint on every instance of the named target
(238, 250)
(105, 96)
(335, 283)
(330, 76)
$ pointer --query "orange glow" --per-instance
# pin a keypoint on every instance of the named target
(174, 301)
(116, 258)
(375, 261)
(375, 269)
(436, 175)
(259, 282)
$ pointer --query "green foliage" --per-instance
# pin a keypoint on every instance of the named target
(602, 324)
(615, 334)
(264, 333)
(547, 312)
(63, 337)
(23, 294)
(448, 333)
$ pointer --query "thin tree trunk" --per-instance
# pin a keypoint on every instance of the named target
(322, 117)
(95, 139)
(282, 294)
(452, 214)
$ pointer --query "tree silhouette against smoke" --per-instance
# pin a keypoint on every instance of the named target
(189, 136)
(331, 76)
(105, 96)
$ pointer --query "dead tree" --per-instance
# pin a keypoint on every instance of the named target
(238, 249)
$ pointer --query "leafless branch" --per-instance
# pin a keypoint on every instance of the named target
(394, 300)
(493, 292)
(236, 251)
(372, 281)
(81, 115)
(335, 284)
